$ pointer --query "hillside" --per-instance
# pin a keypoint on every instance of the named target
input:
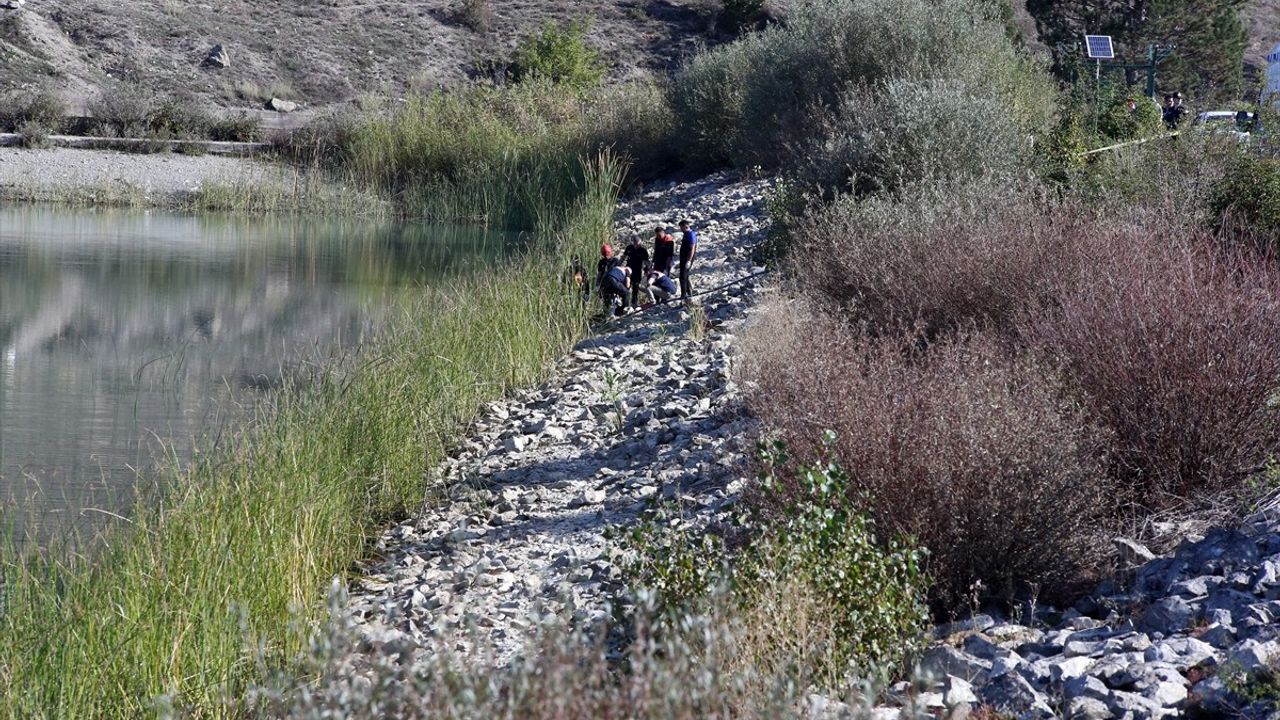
(317, 51)
(320, 52)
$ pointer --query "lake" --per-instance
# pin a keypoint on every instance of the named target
(126, 334)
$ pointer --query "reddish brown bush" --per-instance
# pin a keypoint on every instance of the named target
(1175, 349)
(974, 454)
(948, 258)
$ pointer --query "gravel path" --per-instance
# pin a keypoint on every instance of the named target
(50, 173)
(644, 412)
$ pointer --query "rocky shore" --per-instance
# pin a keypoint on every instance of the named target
(1193, 634)
(643, 412)
(157, 179)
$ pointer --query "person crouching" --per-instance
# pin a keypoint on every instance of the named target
(658, 285)
(617, 284)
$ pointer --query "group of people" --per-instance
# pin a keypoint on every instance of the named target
(1173, 112)
(622, 278)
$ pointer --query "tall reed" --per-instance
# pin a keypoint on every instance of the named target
(231, 562)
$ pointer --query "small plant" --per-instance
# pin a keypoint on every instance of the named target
(41, 107)
(34, 134)
(821, 543)
(237, 128)
(698, 325)
(476, 15)
(559, 54)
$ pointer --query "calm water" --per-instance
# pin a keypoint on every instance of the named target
(119, 330)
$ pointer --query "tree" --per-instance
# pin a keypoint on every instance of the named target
(1208, 65)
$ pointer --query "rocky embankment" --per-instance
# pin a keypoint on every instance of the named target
(642, 412)
(1194, 634)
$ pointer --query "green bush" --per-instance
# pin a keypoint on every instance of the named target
(1247, 201)
(1119, 123)
(178, 119)
(559, 54)
(872, 591)
(903, 132)
(752, 102)
(742, 14)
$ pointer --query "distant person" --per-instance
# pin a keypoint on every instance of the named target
(617, 281)
(604, 265)
(576, 278)
(1174, 111)
(664, 250)
(635, 257)
(658, 285)
(1244, 121)
(688, 248)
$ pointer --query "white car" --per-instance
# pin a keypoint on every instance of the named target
(1238, 123)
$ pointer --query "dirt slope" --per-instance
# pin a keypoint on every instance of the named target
(316, 51)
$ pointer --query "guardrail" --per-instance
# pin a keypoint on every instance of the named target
(212, 147)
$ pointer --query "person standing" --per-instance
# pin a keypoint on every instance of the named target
(664, 250)
(604, 265)
(688, 248)
(635, 257)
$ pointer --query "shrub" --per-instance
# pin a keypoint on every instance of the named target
(42, 108)
(1246, 203)
(1117, 122)
(121, 111)
(821, 543)
(178, 119)
(973, 453)
(236, 128)
(1173, 349)
(742, 14)
(908, 132)
(947, 257)
(751, 102)
(559, 54)
(34, 134)
(476, 14)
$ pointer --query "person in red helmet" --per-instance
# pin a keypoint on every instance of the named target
(604, 264)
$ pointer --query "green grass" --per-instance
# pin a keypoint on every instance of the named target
(231, 563)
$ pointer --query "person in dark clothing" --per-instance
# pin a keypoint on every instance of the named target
(1174, 111)
(688, 248)
(575, 278)
(604, 265)
(616, 284)
(658, 285)
(635, 257)
(664, 250)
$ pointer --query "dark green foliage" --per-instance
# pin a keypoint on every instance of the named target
(1247, 201)
(559, 54)
(820, 536)
(743, 14)
(775, 96)
(1209, 34)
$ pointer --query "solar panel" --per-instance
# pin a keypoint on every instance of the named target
(1100, 47)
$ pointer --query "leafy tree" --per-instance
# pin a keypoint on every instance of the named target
(1208, 64)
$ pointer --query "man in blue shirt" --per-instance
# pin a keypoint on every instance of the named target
(688, 247)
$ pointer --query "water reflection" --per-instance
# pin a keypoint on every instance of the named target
(119, 328)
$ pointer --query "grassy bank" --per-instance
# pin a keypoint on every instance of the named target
(174, 603)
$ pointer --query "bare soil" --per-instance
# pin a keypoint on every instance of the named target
(318, 51)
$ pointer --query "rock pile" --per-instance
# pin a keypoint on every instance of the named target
(1194, 633)
(643, 412)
